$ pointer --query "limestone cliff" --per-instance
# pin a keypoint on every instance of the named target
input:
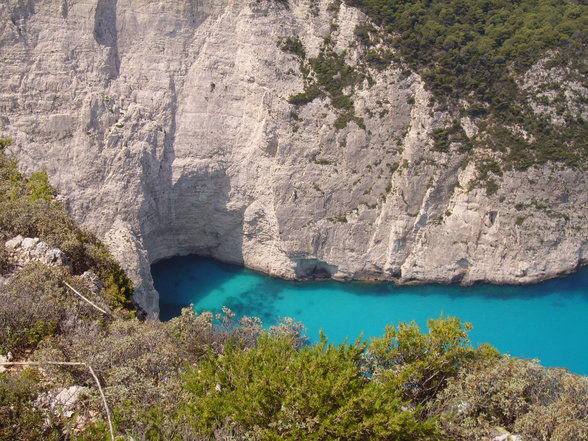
(167, 127)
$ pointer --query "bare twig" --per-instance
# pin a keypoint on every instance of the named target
(86, 299)
(66, 363)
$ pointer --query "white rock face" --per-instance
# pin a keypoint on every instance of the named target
(166, 126)
(507, 437)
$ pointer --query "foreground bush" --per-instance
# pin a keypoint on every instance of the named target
(421, 364)
(518, 395)
(18, 418)
(192, 379)
(31, 308)
(274, 392)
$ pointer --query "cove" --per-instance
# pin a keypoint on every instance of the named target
(547, 321)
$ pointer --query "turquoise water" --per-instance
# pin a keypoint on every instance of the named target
(548, 321)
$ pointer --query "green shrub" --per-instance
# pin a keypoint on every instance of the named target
(5, 265)
(38, 186)
(19, 420)
(420, 364)
(518, 395)
(293, 45)
(332, 73)
(274, 391)
(443, 137)
(491, 187)
(345, 118)
(328, 74)
(379, 59)
(5, 142)
(485, 167)
(363, 33)
(31, 308)
(307, 96)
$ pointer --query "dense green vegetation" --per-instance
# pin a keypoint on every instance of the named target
(293, 45)
(470, 54)
(326, 75)
(275, 391)
(204, 377)
(19, 419)
(465, 47)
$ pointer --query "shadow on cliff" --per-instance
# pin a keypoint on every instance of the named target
(106, 34)
(193, 216)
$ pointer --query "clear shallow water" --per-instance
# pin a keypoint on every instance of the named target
(548, 321)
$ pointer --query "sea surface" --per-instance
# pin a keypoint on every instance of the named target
(547, 321)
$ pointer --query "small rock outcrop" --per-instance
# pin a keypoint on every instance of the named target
(62, 401)
(93, 282)
(26, 249)
(5, 359)
(507, 437)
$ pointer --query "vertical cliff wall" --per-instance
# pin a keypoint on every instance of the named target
(167, 127)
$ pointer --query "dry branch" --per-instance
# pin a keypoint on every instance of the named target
(86, 299)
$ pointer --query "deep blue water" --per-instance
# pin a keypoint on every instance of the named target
(547, 321)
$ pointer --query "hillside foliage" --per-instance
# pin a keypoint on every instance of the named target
(28, 207)
(473, 54)
(473, 57)
(465, 47)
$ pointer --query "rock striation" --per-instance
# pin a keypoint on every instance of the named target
(167, 128)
